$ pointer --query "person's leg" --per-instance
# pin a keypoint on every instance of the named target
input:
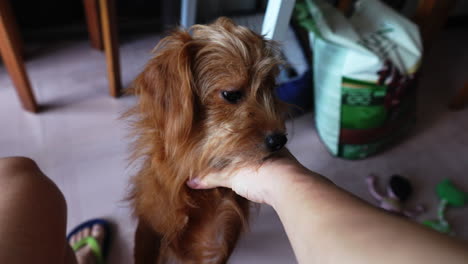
(32, 216)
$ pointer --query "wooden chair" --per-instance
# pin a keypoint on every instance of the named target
(102, 27)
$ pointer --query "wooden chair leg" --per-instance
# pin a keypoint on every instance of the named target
(461, 98)
(111, 45)
(431, 16)
(15, 32)
(345, 6)
(93, 22)
(424, 11)
(10, 49)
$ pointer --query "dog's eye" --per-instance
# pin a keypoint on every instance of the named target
(232, 96)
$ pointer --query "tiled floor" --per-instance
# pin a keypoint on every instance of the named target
(80, 143)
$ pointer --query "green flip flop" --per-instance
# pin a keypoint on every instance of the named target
(99, 250)
(92, 243)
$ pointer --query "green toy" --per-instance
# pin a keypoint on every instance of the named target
(448, 194)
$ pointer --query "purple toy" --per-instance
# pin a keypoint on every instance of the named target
(398, 191)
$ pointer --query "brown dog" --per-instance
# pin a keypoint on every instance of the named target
(206, 102)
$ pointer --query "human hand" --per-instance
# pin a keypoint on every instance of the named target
(254, 182)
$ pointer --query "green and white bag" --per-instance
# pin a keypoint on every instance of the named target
(364, 71)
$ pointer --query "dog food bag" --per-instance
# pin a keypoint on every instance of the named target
(364, 70)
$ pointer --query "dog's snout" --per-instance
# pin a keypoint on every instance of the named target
(276, 141)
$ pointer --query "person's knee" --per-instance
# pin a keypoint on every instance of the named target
(13, 166)
(18, 171)
(22, 175)
(32, 213)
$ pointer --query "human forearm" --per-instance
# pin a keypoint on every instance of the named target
(328, 225)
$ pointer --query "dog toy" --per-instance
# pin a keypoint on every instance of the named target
(449, 195)
(398, 191)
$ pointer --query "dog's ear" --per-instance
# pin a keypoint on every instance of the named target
(166, 92)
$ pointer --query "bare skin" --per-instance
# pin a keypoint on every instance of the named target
(33, 218)
(326, 224)
(84, 255)
(333, 227)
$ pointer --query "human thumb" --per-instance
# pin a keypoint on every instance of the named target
(207, 182)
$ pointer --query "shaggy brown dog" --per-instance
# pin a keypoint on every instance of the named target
(206, 102)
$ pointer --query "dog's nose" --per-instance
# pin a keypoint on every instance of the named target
(276, 141)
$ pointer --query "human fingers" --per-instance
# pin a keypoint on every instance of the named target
(209, 181)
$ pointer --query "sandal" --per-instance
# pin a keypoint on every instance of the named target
(99, 250)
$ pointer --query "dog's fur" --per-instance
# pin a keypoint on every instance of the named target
(184, 128)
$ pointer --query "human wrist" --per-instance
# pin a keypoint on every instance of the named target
(282, 179)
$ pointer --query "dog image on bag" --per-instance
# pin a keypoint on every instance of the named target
(206, 102)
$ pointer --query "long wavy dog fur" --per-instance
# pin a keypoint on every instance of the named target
(205, 102)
